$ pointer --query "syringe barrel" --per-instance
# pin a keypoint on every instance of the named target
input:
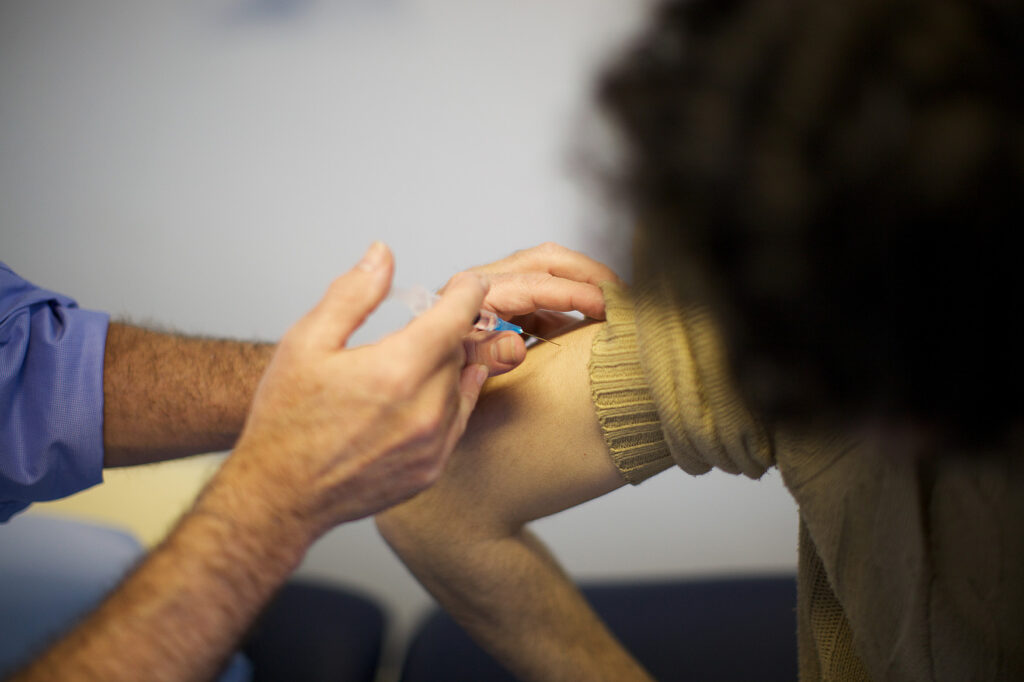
(418, 299)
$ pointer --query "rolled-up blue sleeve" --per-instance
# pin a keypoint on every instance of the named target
(51, 394)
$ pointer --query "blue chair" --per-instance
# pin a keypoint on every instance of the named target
(723, 629)
(52, 573)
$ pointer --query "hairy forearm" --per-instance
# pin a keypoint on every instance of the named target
(183, 610)
(168, 396)
(533, 448)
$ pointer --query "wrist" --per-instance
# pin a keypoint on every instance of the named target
(256, 514)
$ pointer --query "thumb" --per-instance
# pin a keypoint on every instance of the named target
(499, 352)
(352, 296)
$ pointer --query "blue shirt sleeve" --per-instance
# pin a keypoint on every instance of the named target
(51, 394)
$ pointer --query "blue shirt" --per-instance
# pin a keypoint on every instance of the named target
(51, 394)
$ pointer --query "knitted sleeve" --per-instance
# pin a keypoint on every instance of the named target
(662, 392)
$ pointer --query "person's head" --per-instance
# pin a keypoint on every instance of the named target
(841, 181)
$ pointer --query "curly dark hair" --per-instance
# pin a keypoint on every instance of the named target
(842, 182)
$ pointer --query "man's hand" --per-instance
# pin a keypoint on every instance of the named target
(336, 434)
(546, 277)
(530, 288)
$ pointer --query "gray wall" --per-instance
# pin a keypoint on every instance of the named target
(210, 165)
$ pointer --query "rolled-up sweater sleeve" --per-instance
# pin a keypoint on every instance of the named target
(51, 394)
(662, 391)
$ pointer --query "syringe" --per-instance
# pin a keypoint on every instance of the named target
(419, 301)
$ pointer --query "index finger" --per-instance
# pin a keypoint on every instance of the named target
(434, 335)
(519, 294)
(556, 260)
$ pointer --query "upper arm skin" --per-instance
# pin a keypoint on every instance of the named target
(533, 447)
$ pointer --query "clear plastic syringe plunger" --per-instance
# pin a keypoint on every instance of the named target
(419, 300)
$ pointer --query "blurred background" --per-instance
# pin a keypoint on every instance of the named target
(208, 167)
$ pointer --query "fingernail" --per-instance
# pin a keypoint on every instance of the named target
(480, 373)
(373, 258)
(485, 281)
(505, 350)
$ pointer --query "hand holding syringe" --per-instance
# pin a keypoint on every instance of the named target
(419, 300)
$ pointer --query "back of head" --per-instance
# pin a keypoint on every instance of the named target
(841, 181)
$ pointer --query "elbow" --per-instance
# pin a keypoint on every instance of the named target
(428, 530)
(428, 547)
(398, 528)
(416, 529)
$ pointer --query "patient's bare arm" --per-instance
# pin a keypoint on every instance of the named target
(533, 448)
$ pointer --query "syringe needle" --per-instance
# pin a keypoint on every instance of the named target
(542, 338)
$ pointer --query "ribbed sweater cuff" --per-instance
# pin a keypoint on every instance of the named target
(625, 408)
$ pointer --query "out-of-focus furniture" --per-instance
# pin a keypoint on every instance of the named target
(52, 572)
(55, 570)
(316, 633)
(723, 629)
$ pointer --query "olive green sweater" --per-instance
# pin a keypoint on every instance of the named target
(910, 567)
